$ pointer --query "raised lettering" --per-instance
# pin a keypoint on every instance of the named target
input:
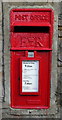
(27, 18)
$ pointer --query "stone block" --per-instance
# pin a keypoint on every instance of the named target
(60, 22)
(60, 33)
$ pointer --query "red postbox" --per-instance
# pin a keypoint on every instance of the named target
(31, 32)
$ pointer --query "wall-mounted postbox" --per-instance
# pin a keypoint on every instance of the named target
(31, 32)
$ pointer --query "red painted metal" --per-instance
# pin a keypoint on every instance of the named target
(31, 30)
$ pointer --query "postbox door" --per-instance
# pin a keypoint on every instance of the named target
(31, 51)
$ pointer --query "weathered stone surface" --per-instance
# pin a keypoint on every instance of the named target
(0, 61)
(28, 0)
(60, 23)
(60, 33)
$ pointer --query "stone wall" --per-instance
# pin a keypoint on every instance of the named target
(0, 60)
(60, 57)
(54, 110)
